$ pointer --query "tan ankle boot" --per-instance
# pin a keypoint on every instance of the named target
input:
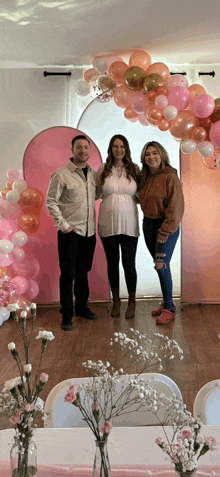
(116, 304)
(130, 312)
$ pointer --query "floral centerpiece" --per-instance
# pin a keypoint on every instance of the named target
(187, 444)
(112, 392)
(20, 397)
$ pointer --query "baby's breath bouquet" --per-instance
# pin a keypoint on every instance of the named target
(112, 391)
(20, 396)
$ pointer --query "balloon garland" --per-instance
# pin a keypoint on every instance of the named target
(149, 94)
(20, 208)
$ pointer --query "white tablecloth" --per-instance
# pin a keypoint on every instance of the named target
(135, 445)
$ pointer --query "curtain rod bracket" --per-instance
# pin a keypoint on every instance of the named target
(211, 73)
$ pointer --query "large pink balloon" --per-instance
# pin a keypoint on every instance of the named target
(28, 268)
(177, 80)
(139, 102)
(203, 105)
(214, 134)
(7, 228)
(33, 289)
(6, 259)
(180, 97)
(10, 211)
(21, 283)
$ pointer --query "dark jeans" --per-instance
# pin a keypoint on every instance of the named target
(75, 260)
(150, 229)
(128, 250)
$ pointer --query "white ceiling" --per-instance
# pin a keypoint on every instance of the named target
(73, 32)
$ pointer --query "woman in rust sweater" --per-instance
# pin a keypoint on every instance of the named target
(162, 202)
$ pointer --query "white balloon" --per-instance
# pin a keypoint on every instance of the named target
(19, 238)
(100, 65)
(6, 246)
(1, 320)
(4, 313)
(82, 88)
(218, 161)
(18, 253)
(19, 185)
(188, 146)
(206, 148)
(76, 73)
(13, 196)
(170, 112)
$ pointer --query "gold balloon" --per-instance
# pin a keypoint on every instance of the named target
(134, 78)
(153, 81)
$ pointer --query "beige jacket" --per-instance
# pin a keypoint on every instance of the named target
(71, 199)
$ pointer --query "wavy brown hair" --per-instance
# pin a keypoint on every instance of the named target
(131, 169)
(165, 161)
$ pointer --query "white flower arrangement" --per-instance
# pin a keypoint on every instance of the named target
(20, 397)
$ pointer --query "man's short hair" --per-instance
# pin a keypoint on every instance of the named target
(80, 136)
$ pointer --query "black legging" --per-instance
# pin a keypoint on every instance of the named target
(128, 249)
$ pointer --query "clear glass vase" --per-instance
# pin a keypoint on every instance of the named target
(101, 466)
(187, 473)
(23, 458)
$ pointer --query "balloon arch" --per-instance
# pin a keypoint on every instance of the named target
(149, 94)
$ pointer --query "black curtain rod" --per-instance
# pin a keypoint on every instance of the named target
(179, 73)
(47, 73)
(211, 73)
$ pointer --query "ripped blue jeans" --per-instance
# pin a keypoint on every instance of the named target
(150, 229)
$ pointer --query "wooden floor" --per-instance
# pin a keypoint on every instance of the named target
(195, 328)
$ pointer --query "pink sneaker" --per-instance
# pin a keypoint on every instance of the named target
(165, 317)
(158, 311)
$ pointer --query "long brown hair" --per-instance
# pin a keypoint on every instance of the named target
(165, 161)
(130, 167)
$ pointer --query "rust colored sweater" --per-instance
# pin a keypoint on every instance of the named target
(162, 198)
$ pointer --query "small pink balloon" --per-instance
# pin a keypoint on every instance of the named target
(214, 134)
(139, 102)
(203, 105)
(7, 228)
(6, 259)
(161, 101)
(28, 268)
(18, 254)
(142, 120)
(10, 211)
(20, 282)
(33, 289)
(21, 174)
(112, 59)
(180, 97)
(177, 80)
(13, 174)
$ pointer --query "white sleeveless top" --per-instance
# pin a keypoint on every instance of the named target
(118, 210)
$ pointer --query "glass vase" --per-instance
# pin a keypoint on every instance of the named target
(23, 458)
(187, 473)
(101, 466)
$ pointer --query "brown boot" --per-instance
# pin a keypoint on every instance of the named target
(130, 312)
(116, 304)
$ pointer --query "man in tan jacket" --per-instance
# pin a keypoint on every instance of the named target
(71, 203)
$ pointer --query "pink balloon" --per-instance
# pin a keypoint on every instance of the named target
(180, 97)
(112, 59)
(33, 289)
(7, 228)
(28, 268)
(6, 259)
(177, 80)
(18, 253)
(20, 282)
(13, 174)
(10, 211)
(161, 101)
(139, 102)
(203, 105)
(21, 174)
(214, 134)
(143, 120)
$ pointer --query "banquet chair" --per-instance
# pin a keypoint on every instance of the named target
(62, 414)
(206, 406)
